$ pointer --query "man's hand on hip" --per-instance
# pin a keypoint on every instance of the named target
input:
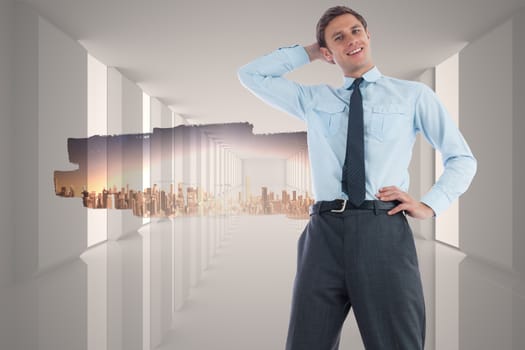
(411, 206)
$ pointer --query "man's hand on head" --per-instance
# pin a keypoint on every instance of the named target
(411, 206)
(314, 53)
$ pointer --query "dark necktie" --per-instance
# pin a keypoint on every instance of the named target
(353, 179)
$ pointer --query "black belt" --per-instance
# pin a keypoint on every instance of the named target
(341, 205)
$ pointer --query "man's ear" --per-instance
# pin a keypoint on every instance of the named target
(327, 54)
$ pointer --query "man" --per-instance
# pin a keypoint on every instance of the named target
(357, 250)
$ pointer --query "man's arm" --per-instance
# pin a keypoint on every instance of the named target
(264, 78)
(459, 163)
(432, 119)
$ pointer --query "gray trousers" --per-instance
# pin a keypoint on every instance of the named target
(361, 259)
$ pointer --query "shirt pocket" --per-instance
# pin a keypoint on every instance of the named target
(388, 122)
(331, 117)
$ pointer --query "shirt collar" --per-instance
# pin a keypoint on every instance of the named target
(370, 76)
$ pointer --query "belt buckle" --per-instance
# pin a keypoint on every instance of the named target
(340, 210)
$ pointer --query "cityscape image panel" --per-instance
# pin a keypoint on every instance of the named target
(210, 169)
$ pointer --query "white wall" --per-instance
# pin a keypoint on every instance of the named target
(518, 141)
(492, 110)
(6, 224)
(25, 131)
(6, 213)
(62, 114)
(486, 110)
(49, 107)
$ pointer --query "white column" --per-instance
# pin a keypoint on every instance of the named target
(97, 150)
(178, 239)
(125, 118)
(447, 88)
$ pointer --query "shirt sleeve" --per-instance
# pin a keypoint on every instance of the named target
(264, 78)
(432, 119)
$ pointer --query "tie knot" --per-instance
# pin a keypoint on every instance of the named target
(357, 82)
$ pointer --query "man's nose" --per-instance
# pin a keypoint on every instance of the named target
(351, 42)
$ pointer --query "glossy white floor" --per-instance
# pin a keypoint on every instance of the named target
(225, 284)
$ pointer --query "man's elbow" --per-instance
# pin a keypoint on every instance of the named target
(469, 169)
(249, 78)
(473, 165)
(244, 75)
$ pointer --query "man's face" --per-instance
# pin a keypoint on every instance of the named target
(348, 45)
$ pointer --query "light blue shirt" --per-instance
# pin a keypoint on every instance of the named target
(395, 111)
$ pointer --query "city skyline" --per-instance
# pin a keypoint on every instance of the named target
(157, 202)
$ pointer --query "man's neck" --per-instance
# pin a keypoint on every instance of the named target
(359, 73)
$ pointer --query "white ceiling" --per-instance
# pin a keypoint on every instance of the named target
(186, 53)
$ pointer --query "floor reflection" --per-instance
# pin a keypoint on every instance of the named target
(225, 283)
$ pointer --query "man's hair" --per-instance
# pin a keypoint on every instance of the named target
(329, 15)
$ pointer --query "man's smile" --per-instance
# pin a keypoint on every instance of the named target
(355, 51)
